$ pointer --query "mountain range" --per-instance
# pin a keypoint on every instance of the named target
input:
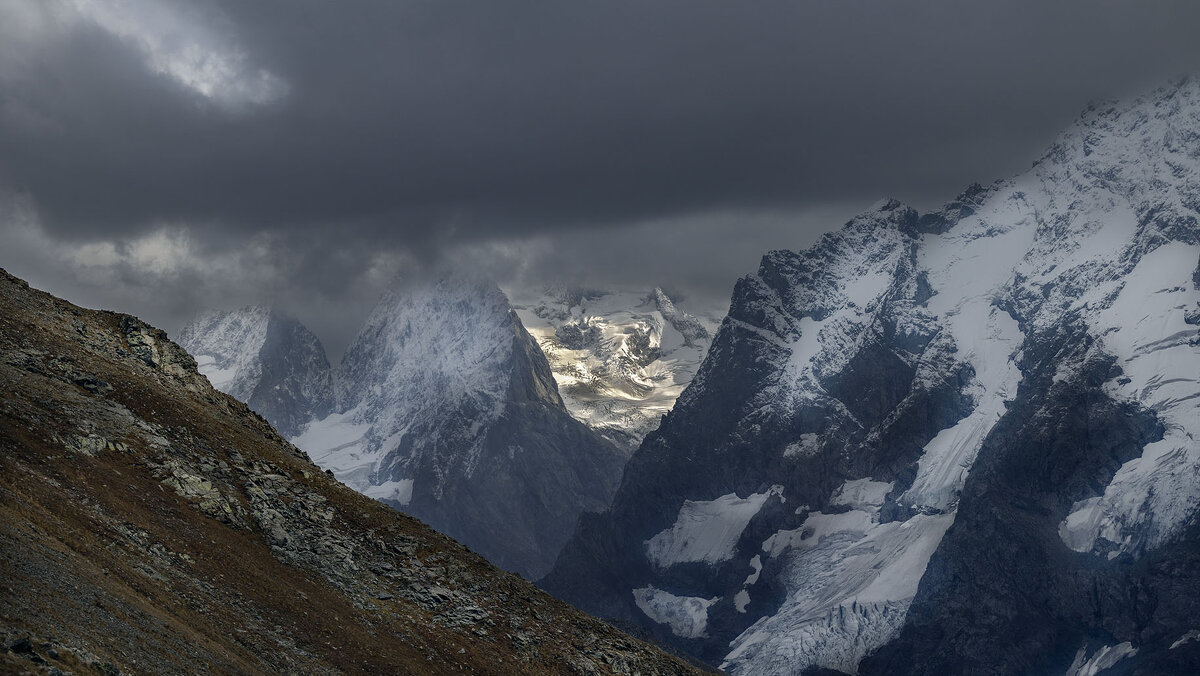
(961, 441)
(447, 408)
(954, 442)
(152, 524)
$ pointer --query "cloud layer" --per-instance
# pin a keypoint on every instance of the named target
(607, 141)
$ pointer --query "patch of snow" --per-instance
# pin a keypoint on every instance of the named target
(687, 616)
(1193, 635)
(399, 491)
(756, 565)
(1104, 658)
(1078, 530)
(805, 348)
(806, 446)
(706, 531)
(741, 600)
(221, 379)
(338, 443)
(863, 494)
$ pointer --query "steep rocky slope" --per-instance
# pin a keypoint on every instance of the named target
(266, 359)
(150, 524)
(963, 442)
(621, 358)
(447, 409)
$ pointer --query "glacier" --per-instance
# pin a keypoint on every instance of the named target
(620, 357)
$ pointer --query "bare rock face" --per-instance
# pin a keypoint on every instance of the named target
(149, 523)
(960, 442)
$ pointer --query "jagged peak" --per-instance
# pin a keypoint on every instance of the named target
(887, 216)
(664, 302)
(1108, 131)
(967, 203)
(689, 327)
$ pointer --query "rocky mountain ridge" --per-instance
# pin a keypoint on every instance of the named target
(956, 442)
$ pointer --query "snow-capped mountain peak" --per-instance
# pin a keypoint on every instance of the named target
(226, 347)
(620, 358)
(1021, 365)
(448, 410)
(264, 358)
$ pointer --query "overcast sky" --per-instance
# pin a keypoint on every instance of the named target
(157, 157)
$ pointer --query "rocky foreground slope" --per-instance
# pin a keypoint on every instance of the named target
(959, 442)
(150, 524)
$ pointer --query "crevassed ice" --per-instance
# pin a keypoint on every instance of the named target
(850, 579)
(1152, 495)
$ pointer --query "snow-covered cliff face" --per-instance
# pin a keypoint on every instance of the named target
(957, 442)
(447, 409)
(266, 359)
(620, 358)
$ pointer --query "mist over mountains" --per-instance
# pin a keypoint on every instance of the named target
(614, 338)
(873, 411)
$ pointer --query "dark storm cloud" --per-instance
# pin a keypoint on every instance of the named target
(619, 140)
(408, 117)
